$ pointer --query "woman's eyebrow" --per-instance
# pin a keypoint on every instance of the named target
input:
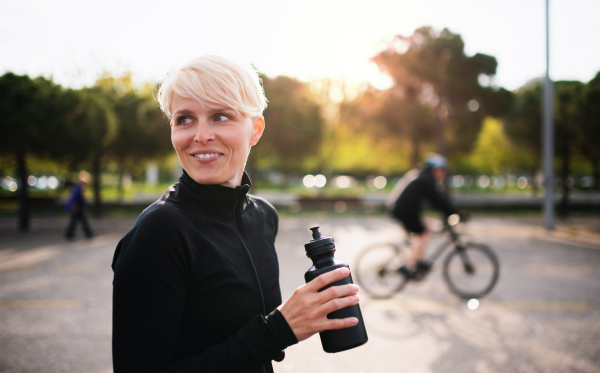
(217, 110)
(183, 111)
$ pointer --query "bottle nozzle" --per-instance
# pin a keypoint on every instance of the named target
(315, 232)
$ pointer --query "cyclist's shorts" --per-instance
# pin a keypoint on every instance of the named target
(412, 224)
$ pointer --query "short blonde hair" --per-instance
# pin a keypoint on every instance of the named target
(215, 80)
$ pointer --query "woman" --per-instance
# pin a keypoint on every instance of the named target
(196, 280)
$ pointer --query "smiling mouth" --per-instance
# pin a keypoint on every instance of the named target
(207, 155)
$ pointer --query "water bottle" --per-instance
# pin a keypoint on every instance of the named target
(320, 250)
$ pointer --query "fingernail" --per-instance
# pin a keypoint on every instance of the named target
(356, 297)
(356, 288)
(354, 321)
(345, 271)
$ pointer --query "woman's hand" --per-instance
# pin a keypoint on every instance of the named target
(306, 310)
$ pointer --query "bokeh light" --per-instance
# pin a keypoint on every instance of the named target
(484, 181)
(309, 181)
(320, 181)
(52, 182)
(522, 182)
(458, 181)
(31, 180)
(343, 182)
(473, 304)
(42, 182)
(380, 182)
(473, 105)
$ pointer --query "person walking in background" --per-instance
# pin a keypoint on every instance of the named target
(409, 205)
(76, 206)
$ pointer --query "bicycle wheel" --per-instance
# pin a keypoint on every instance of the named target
(376, 270)
(471, 271)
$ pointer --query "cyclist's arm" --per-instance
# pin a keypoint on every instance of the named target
(439, 200)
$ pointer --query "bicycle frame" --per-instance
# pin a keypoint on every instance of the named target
(454, 239)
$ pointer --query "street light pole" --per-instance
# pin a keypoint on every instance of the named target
(548, 135)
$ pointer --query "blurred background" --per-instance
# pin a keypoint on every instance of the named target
(359, 93)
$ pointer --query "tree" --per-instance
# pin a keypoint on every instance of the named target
(524, 126)
(96, 113)
(492, 150)
(588, 134)
(31, 123)
(432, 70)
(568, 119)
(143, 132)
(294, 127)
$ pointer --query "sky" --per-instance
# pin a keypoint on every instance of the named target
(74, 41)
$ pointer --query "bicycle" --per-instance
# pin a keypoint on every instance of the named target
(470, 270)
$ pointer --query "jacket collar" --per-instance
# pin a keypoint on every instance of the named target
(216, 199)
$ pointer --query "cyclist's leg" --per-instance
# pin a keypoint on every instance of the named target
(418, 251)
(414, 224)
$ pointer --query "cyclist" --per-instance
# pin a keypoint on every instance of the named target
(408, 207)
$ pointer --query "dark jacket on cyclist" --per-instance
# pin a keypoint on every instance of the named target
(409, 205)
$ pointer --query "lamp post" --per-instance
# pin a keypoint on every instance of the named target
(548, 135)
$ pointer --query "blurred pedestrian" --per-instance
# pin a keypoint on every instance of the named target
(76, 206)
(196, 280)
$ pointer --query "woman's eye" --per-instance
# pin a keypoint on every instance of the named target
(184, 120)
(221, 118)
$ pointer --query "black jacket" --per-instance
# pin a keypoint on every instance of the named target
(194, 282)
(423, 188)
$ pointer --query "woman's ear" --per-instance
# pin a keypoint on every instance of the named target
(258, 129)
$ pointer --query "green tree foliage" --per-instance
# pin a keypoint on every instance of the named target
(96, 112)
(293, 127)
(492, 151)
(588, 134)
(32, 123)
(523, 124)
(568, 118)
(143, 133)
(433, 71)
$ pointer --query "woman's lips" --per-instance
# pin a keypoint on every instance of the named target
(207, 157)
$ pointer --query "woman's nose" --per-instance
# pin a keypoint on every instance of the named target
(204, 134)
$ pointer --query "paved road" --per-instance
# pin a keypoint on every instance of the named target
(544, 315)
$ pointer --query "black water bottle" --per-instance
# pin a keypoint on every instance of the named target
(320, 250)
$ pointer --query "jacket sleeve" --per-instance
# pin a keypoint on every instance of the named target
(151, 276)
(439, 200)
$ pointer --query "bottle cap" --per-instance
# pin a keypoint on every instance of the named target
(319, 244)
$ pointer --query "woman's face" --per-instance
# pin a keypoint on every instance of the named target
(212, 143)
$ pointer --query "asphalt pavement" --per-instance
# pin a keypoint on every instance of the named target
(543, 315)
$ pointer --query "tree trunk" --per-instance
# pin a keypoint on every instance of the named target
(564, 203)
(415, 147)
(23, 223)
(411, 98)
(596, 173)
(97, 185)
(439, 136)
(120, 189)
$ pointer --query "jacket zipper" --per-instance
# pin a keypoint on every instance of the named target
(262, 297)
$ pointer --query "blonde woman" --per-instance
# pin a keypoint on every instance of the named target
(196, 280)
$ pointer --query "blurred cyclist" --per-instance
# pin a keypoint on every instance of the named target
(408, 208)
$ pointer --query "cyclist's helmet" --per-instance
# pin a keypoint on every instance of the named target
(435, 161)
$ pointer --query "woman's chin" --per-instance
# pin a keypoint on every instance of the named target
(209, 179)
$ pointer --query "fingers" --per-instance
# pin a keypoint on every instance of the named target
(326, 279)
(339, 303)
(337, 292)
(340, 323)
